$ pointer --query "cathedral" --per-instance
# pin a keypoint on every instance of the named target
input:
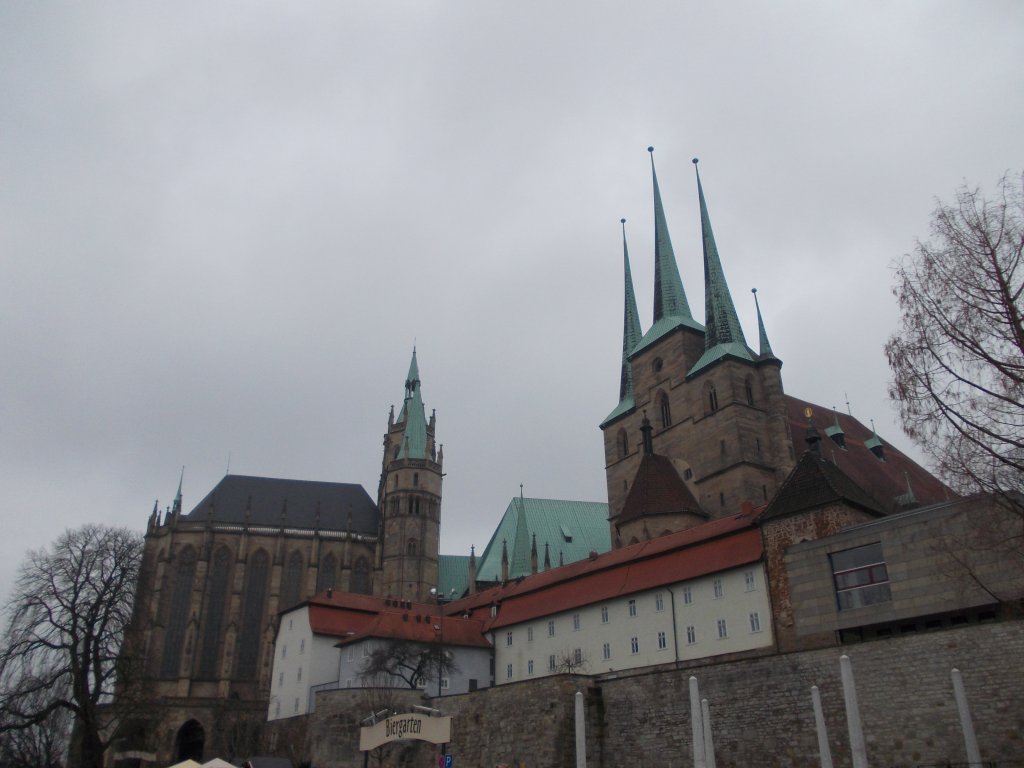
(214, 580)
(702, 429)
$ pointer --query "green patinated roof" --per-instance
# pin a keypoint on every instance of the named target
(414, 439)
(735, 349)
(663, 327)
(452, 574)
(624, 406)
(631, 332)
(669, 296)
(720, 320)
(548, 519)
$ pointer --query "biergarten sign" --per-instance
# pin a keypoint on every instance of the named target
(436, 730)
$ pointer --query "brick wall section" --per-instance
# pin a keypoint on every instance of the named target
(780, 534)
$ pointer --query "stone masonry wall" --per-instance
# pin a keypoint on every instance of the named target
(760, 708)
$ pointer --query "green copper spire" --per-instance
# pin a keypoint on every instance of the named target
(630, 337)
(630, 324)
(720, 320)
(766, 347)
(724, 336)
(671, 310)
(669, 296)
(414, 440)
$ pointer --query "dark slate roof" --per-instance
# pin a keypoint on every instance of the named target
(657, 490)
(815, 482)
(228, 500)
(886, 481)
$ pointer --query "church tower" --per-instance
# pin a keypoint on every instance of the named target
(409, 499)
(715, 407)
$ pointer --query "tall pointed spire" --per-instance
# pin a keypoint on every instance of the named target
(723, 333)
(766, 347)
(669, 296)
(630, 324)
(721, 323)
(414, 440)
(671, 309)
(176, 508)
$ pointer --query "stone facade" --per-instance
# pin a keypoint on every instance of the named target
(778, 535)
(725, 428)
(760, 709)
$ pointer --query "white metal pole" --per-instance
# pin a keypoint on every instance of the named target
(581, 733)
(966, 724)
(819, 724)
(857, 749)
(697, 726)
(709, 743)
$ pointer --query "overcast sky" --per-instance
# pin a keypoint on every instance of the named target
(223, 226)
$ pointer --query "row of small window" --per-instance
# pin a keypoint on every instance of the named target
(717, 588)
(277, 708)
(298, 677)
(634, 645)
(284, 647)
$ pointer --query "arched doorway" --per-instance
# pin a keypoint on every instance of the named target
(189, 743)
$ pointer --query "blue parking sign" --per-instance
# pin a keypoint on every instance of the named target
(448, 761)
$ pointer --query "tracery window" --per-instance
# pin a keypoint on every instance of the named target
(181, 599)
(251, 631)
(215, 610)
(712, 398)
(292, 581)
(361, 577)
(327, 573)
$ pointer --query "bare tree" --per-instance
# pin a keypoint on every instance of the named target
(573, 662)
(66, 622)
(43, 745)
(407, 661)
(958, 356)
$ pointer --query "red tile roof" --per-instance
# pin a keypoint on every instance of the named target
(353, 617)
(883, 480)
(707, 548)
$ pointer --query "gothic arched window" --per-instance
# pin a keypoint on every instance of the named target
(748, 387)
(623, 444)
(327, 574)
(410, 548)
(712, 398)
(181, 601)
(665, 410)
(251, 631)
(361, 577)
(215, 610)
(292, 581)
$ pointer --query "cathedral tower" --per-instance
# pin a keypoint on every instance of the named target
(409, 499)
(715, 407)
